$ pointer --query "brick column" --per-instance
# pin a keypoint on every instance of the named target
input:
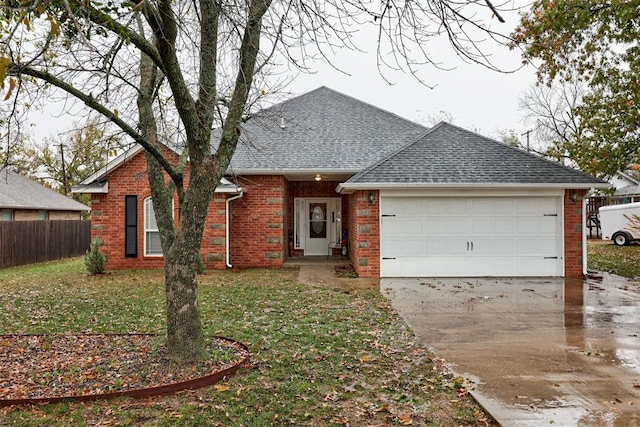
(573, 232)
(364, 233)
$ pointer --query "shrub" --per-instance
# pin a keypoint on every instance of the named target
(94, 260)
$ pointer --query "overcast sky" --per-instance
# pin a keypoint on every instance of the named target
(473, 97)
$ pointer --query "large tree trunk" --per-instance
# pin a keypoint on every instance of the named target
(185, 339)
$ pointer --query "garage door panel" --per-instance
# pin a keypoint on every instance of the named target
(481, 246)
(391, 246)
(458, 206)
(392, 227)
(548, 226)
(414, 248)
(549, 246)
(436, 226)
(503, 226)
(413, 226)
(482, 226)
(493, 236)
(504, 246)
(528, 247)
(482, 206)
(456, 247)
(457, 226)
(504, 206)
(527, 226)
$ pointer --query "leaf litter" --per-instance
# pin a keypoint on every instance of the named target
(59, 365)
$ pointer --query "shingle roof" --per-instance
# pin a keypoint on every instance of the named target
(322, 130)
(447, 154)
(19, 192)
(629, 190)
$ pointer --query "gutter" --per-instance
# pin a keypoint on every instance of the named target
(226, 227)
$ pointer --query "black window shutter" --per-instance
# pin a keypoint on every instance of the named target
(131, 226)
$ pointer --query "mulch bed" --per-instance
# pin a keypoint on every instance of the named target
(345, 272)
(65, 365)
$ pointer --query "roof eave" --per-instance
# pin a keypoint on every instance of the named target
(350, 187)
(93, 188)
(113, 164)
(310, 170)
(231, 190)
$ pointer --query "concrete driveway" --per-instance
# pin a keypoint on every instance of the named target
(540, 351)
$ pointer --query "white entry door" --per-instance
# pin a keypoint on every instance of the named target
(317, 223)
(317, 236)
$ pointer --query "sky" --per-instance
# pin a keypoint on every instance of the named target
(469, 95)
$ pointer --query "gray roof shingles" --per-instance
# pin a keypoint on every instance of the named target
(19, 192)
(447, 154)
(323, 130)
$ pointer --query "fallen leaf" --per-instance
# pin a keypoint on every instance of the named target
(405, 420)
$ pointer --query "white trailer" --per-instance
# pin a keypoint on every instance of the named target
(620, 223)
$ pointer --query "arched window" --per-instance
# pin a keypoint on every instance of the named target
(152, 246)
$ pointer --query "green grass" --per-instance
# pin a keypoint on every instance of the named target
(320, 357)
(621, 260)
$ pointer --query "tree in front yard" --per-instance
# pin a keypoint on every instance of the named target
(595, 43)
(166, 73)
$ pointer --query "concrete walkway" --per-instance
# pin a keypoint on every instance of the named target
(321, 271)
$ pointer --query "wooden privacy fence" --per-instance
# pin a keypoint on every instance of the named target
(30, 242)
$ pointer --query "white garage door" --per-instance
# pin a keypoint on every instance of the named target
(473, 237)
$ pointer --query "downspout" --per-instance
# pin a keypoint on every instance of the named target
(226, 227)
(584, 232)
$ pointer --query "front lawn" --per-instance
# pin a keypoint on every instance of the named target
(621, 260)
(320, 356)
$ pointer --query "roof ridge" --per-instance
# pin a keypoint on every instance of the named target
(341, 94)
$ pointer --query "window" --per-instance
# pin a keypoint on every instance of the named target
(152, 246)
(43, 215)
(131, 226)
(7, 214)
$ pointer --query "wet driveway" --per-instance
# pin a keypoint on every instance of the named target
(540, 351)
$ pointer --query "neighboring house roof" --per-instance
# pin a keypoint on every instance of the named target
(623, 179)
(450, 156)
(629, 190)
(322, 130)
(19, 192)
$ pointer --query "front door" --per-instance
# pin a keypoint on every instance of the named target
(317, 235)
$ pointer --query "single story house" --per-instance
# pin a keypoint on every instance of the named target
(325, 172)
(22, 199)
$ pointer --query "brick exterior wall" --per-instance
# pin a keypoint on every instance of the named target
(64, 215)
(34, 215)
(108, 220)
(258, 232)
(364, 233)
(26, 215)
(573, 230)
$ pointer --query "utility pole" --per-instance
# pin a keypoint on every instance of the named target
(64, 171)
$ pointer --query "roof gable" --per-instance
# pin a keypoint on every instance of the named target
(19, 192)
(449, 155)
(320, 130)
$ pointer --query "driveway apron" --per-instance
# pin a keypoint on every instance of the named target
(559, 352)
